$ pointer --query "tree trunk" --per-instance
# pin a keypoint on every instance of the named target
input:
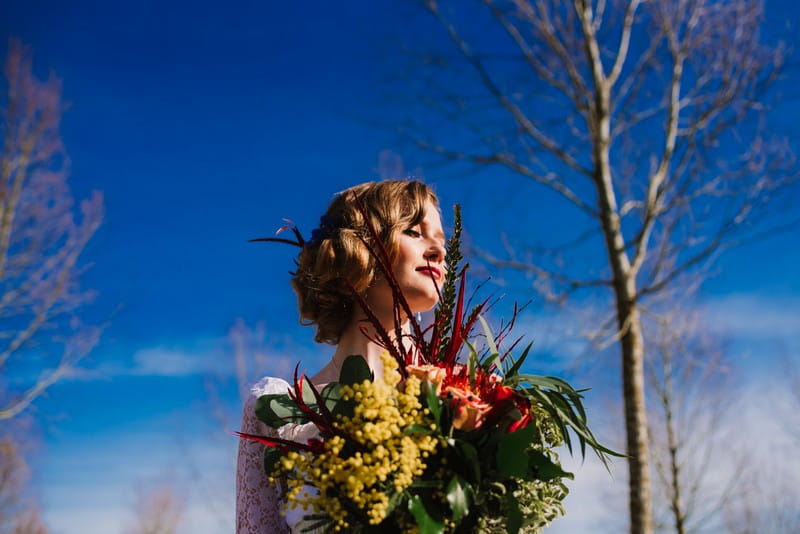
(632, 347)
(628, 321)
(635, 418)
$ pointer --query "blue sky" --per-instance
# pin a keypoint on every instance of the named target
(204, 127)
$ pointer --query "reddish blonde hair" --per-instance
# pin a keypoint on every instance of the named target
(337, 253)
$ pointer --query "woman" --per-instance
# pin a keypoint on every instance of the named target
(405, 215)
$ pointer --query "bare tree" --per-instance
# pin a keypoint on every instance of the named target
(18, 513)
(768, 505)
(767, 500)
(697, 470)
(41, 239)
(251, 359)
(158, 510)
(644, 117)
(249, 356)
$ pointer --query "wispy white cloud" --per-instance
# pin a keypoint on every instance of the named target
(174, 361)
(198, 357)
(754, 316)
(747, 324)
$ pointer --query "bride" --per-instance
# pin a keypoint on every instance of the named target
(406, 217)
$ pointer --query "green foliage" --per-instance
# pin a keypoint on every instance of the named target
(271, 458)
(427, 524)
(511, 458)
(355, 370)
(278, 409)
(453, 258)
(458, 497)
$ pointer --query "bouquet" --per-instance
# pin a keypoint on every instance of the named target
(453, 438)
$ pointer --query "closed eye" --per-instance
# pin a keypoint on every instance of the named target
(411, 232)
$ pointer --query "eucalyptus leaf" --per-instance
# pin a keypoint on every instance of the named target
(277, 409)
(426, 523)
(308, 394)
(457, 498)
(354, 371)
(332, 393)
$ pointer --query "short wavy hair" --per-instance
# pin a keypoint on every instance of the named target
(336, 254)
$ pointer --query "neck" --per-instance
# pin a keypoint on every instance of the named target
(353, 341)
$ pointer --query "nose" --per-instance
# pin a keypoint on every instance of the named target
(435, 252)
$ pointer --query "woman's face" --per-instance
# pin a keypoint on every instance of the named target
(420, 261)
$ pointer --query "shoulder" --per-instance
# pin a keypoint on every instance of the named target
(266, 386)
(269, 385)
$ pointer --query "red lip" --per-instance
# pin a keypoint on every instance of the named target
(431, 270)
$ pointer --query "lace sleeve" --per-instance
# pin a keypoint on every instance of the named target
(258, 502)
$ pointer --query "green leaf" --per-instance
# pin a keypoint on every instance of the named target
(394, 501)
(417, 429)
(434, 403)
(308, 394)
(545, 468)
(277, 409)
(332, 393)
(517, 364)
(320, 521)
(489, 361)
(468, 456)
(457, 498)
(426, 523)
(354, 371)
(426, 484)
(488, 333)
(271, 458)
(511, 458)
(514, 519)
(472, 361)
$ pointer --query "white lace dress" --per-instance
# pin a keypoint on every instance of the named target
(259, 503)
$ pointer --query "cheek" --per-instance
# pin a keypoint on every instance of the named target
(404, 255)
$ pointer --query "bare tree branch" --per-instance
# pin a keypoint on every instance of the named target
(158, 510)
(40, 239)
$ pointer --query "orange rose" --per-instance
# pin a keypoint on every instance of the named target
(433, 374)
(469, 410)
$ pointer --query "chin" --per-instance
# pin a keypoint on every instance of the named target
(423, 304)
